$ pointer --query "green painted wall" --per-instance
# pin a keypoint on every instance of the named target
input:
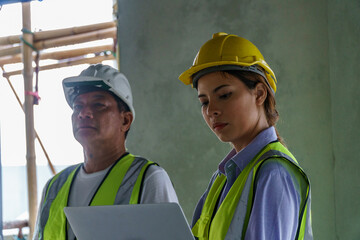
(309, 48)
(344, 64)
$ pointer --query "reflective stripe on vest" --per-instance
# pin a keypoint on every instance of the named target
(239, 200)
(121, 185)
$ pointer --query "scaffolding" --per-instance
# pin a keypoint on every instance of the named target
(32, 48)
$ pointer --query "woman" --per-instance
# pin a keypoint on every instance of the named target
(259, 191)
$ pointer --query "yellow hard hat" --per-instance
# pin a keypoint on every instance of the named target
(228, 52)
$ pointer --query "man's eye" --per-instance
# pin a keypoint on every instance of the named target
(77, 107)
(99, 105)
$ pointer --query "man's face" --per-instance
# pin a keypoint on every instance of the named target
(96, 119)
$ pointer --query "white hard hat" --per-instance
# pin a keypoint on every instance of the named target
(99, 76)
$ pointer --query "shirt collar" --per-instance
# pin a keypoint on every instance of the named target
(242, 158)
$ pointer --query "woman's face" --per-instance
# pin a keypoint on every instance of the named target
(230, 109)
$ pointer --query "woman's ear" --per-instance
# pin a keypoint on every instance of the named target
(261, 93)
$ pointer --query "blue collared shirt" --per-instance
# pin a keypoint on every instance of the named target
(234, 163)
(276, 203)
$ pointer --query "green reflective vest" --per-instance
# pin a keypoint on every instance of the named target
(121, 185)
(240, 200)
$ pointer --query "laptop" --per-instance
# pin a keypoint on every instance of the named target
(129, 222)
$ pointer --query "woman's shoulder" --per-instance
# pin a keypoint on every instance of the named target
(280, 169)
(273, 166)
(278, 164)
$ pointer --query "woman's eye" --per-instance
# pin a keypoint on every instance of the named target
(225, 96)
(205, 103)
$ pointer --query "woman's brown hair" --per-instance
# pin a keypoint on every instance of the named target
(251, 79)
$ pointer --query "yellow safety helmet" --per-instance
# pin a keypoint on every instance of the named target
(228, 52)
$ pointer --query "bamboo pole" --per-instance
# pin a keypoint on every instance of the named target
(93, 60)
(59, 55)
(10, 51)
(72, 31)
(76, 52)
(29, 118)
(10, 39)
(6, 46)
(36, 134)
(79, 38)
(90, 60)
(15, 224)
(63, 41)
(19, 224)
(58, 33)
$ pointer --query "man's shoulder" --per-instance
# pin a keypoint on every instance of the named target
(145, 160)
(141, 158)
(64, 172)
(69, 169)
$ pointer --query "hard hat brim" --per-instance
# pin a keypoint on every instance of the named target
(253, 68)
(70, 83)
(187, 76)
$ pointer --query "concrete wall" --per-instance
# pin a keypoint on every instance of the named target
(344, 63)
(310, 51)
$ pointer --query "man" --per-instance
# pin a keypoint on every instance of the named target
(102, 106)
